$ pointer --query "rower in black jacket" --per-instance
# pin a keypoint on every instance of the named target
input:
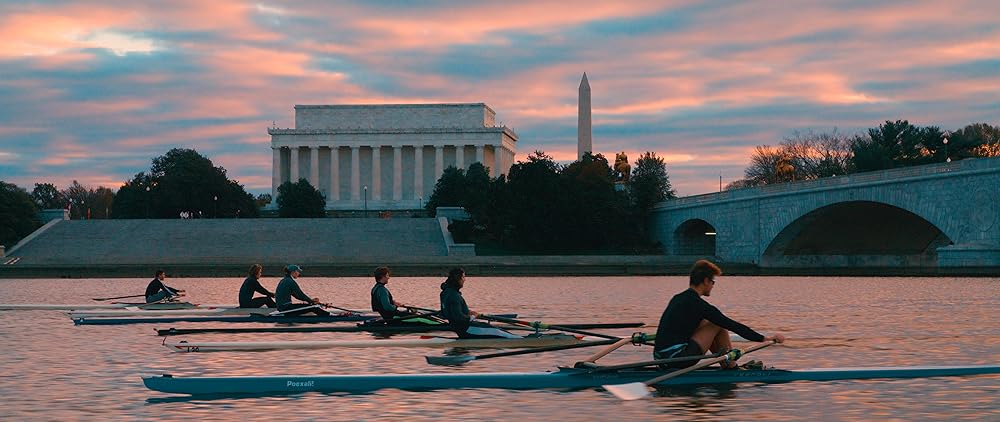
(382, 301)
(287, 288)
(251, 285)
(157, 291)
(456, 311)
(690, 326)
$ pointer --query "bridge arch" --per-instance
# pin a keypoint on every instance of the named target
(854, 232)
(695, 237)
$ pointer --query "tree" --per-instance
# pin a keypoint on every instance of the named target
(300, 200)
(816, 155)
(183, 180)
(975, 140)
(533, 189)
(770, 165)
(262, 200)
(449, 191)
(18, 214)
(650, 184)
(87, 202)
(477, 190)
(884, 146)
(46, 196)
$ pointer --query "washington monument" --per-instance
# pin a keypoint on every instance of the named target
(584, 142)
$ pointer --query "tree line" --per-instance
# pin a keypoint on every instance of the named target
(181, 182)
(893, 144)
(544, 207)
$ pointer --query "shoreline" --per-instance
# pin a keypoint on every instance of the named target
(521, 266)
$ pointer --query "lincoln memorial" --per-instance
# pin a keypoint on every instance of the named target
(388, 155)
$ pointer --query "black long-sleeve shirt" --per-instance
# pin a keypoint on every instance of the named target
(251, 285)
(156, 285)
(454, 309)
(685, 312)
(287, 288)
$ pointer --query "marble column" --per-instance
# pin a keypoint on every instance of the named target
(275, 173)
(355, 174)
(293, 167)
(377, 172)
(397, 173)
(497, 160)
(334, 174)
(418, 171)
(314, 167)
(481, 154)
(438, 162)
(460, 157)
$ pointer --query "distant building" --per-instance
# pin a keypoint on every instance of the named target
(390, 154)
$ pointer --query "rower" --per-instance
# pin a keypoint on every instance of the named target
(382, 301)
(251, 285)
(287, 288)
(456, 311)
(157, 291)
(690, 326)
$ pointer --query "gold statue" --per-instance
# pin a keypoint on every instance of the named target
(623, 171)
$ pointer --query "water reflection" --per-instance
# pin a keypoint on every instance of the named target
(57, 371)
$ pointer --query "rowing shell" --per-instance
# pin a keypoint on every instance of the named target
(201, 310)
(225, 318)
(564, 378)
(543, 340)
(373, 328)
(86, 306)
(233, 318)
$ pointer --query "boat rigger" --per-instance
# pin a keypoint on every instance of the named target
(564, 378)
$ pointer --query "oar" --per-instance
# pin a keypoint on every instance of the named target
(542, 326)
(460, 359)
(638, 390)
(119, 297)
(399, 318)
(327, 305)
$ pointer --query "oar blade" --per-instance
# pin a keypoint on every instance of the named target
(630, 391)
(449, 360)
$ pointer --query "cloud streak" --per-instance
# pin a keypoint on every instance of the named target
(93, 90)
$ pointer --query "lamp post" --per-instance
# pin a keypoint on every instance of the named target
(147, 202)
(366, 201)
(215, 206)
(947, 159)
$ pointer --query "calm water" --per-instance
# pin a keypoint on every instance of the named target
(53, 370)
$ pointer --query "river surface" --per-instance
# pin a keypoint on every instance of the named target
(52, 370)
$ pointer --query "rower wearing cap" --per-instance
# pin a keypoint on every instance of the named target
(690, 326)
(288, 288)
(157, 291)
(382, 301)
(456, 311)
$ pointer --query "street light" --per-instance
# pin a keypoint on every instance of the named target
(947, 159)
(147, 202)
(215, 206)
(366, 201)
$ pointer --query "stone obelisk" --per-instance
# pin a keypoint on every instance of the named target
(584, 142)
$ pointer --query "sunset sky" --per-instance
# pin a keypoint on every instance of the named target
(93, 90)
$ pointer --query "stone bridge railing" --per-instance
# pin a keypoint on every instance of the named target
(846, 181)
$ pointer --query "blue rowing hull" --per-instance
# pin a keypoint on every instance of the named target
(222, 318)
(564, 378)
